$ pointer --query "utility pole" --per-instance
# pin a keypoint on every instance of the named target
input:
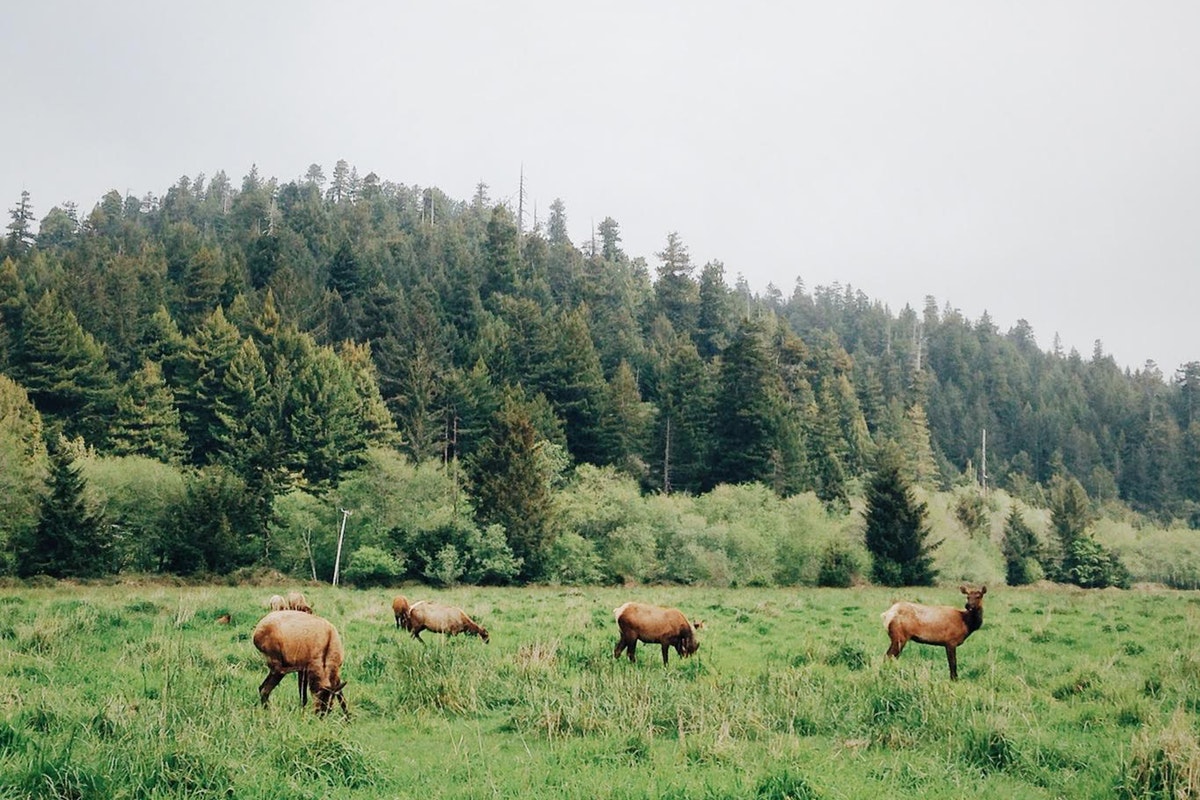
(667, 459)
(337, 562)
(983, 476)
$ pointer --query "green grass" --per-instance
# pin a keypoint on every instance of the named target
(137, 692)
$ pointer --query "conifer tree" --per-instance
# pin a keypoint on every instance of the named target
(897, 530)
(71, 539)
(1021, 550)
(683, 428)
(745, 432)
(65, 371)
(147, 422)
(510, 487)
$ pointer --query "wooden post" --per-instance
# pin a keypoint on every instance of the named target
(337, 562)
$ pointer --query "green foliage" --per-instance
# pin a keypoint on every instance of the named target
(214, 529)
(1089, 564)
(971, 511)
(257, 300)
(72, 538)
(23, 453)
(369, 566)
(511, 486)
(139, 497)
(1021, 551)
(1070, 510)
(896, 529)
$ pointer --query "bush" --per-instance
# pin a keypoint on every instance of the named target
(1089, 564)
(839, 566)
(573, 560)
(459, 551)
(370, 566)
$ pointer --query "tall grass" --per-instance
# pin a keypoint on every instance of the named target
(139, 692)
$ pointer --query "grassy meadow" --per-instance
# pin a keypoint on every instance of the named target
(136, 691)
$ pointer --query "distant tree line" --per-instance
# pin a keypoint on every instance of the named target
(262, 340)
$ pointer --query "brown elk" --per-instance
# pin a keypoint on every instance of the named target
(426, 615)
(298, 602)
(400, 609)
(293, 641)
(941, 625)
(655, 625)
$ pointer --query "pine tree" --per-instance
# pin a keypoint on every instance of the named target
(1021, 550)
(71, 540)
(745, 434)
(200, 383)
(510, 487)
(20, 236)
(147, 422)
(897, 530)
(683, 428)
(627, 423)
(65, 371)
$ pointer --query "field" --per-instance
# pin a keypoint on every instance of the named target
(137, 691)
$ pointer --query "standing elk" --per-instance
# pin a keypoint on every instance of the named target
(293, 641)
(941, 625)
(655, 625)
(425, 615)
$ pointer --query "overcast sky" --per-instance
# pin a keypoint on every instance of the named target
(1035, 160)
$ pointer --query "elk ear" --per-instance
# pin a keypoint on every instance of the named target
(963, 588)
(983, 590)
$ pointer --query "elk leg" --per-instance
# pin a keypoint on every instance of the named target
(268, 685)
(952, 659)
(896, 648)
(302, 677)
(619, 648)
(666, 649)
(632, 651)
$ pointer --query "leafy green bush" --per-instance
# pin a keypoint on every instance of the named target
(1089, 564)
(839, 565)
(573, 560)
(370, 566)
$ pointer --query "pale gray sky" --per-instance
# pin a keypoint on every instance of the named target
(1037, 160)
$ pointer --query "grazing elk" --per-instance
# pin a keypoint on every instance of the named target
(655, 625)
(400, 609)
(941, 625)
(293, 641)
(425, 615)
(297, 602)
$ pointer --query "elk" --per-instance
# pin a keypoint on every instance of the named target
(400, 609)
(941, 625)
(427, 615)
(655, 625)
(297, 602)
(293, 641)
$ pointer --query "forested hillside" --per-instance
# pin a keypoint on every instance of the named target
(250, 344)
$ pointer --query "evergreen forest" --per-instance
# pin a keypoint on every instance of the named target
(225, 376)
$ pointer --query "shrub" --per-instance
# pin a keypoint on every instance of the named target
(839, 565)
(1089, 564)
(573, 559)
(371, 566)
